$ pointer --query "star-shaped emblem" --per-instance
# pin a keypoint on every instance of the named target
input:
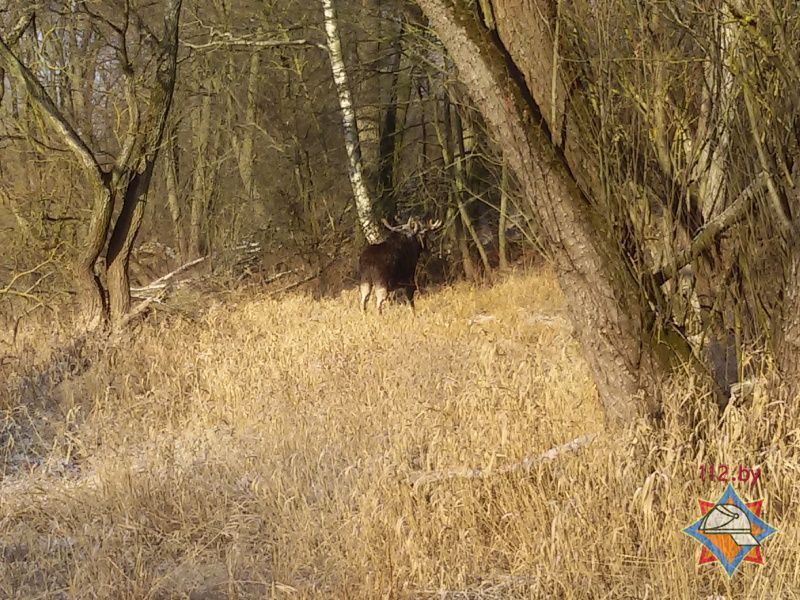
(731, 531)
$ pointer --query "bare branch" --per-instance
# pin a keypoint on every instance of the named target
(10, 290)
(20, 26)
(227, 40)
(418, 479)
(713, 229)
(138, 310)
(42, 99)
(162, 282)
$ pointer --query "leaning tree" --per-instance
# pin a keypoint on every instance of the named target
(678, 112)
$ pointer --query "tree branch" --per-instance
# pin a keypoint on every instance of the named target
(162, 281)
(713, 229)
(227, 40)
(42, 99)
(418, 479)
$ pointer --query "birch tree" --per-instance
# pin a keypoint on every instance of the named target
(364, 206)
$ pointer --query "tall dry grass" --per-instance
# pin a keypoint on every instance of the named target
(267, 449)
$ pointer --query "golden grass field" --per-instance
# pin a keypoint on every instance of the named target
(268, 448)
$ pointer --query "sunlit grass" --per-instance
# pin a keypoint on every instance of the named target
(268, 448)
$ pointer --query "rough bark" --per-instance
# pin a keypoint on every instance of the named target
(134, 197)
(612, 321)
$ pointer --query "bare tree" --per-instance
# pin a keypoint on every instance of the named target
(628, 350)
(127, 181)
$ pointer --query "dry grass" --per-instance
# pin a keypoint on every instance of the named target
(267, 450)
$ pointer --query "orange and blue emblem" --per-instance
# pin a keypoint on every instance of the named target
(731, 531)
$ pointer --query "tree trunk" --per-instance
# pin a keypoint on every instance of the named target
(201, 130)
(389, 132)
(502, 251)
(121, 244)
(788, 338)
(123, 180)
(171, 166)
(461, 173)
(137, 185)
(92, 299)
(369, 36)
(245, 157)
(364, 206)
(627, 353)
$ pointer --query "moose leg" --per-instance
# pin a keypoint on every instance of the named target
(410, 296)
(366, 289)
(381, 293)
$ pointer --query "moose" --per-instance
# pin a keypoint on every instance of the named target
(392, 264)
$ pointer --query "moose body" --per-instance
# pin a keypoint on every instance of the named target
(392, 264)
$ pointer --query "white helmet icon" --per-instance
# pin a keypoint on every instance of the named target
(730, 519)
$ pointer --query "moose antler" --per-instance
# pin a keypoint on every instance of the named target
(433, 225)
(400, 229)
(413, 226)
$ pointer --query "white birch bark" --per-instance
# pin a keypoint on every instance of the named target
(351, 140)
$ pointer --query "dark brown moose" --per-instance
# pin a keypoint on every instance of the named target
(392, 264)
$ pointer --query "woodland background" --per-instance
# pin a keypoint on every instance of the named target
(619, 185)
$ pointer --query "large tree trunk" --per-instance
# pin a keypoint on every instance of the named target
(612, 320)
(364, 205)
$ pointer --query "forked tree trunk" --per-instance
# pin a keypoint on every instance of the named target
(129, 179)
(364, 206)
(626, 354)
(134, 196)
